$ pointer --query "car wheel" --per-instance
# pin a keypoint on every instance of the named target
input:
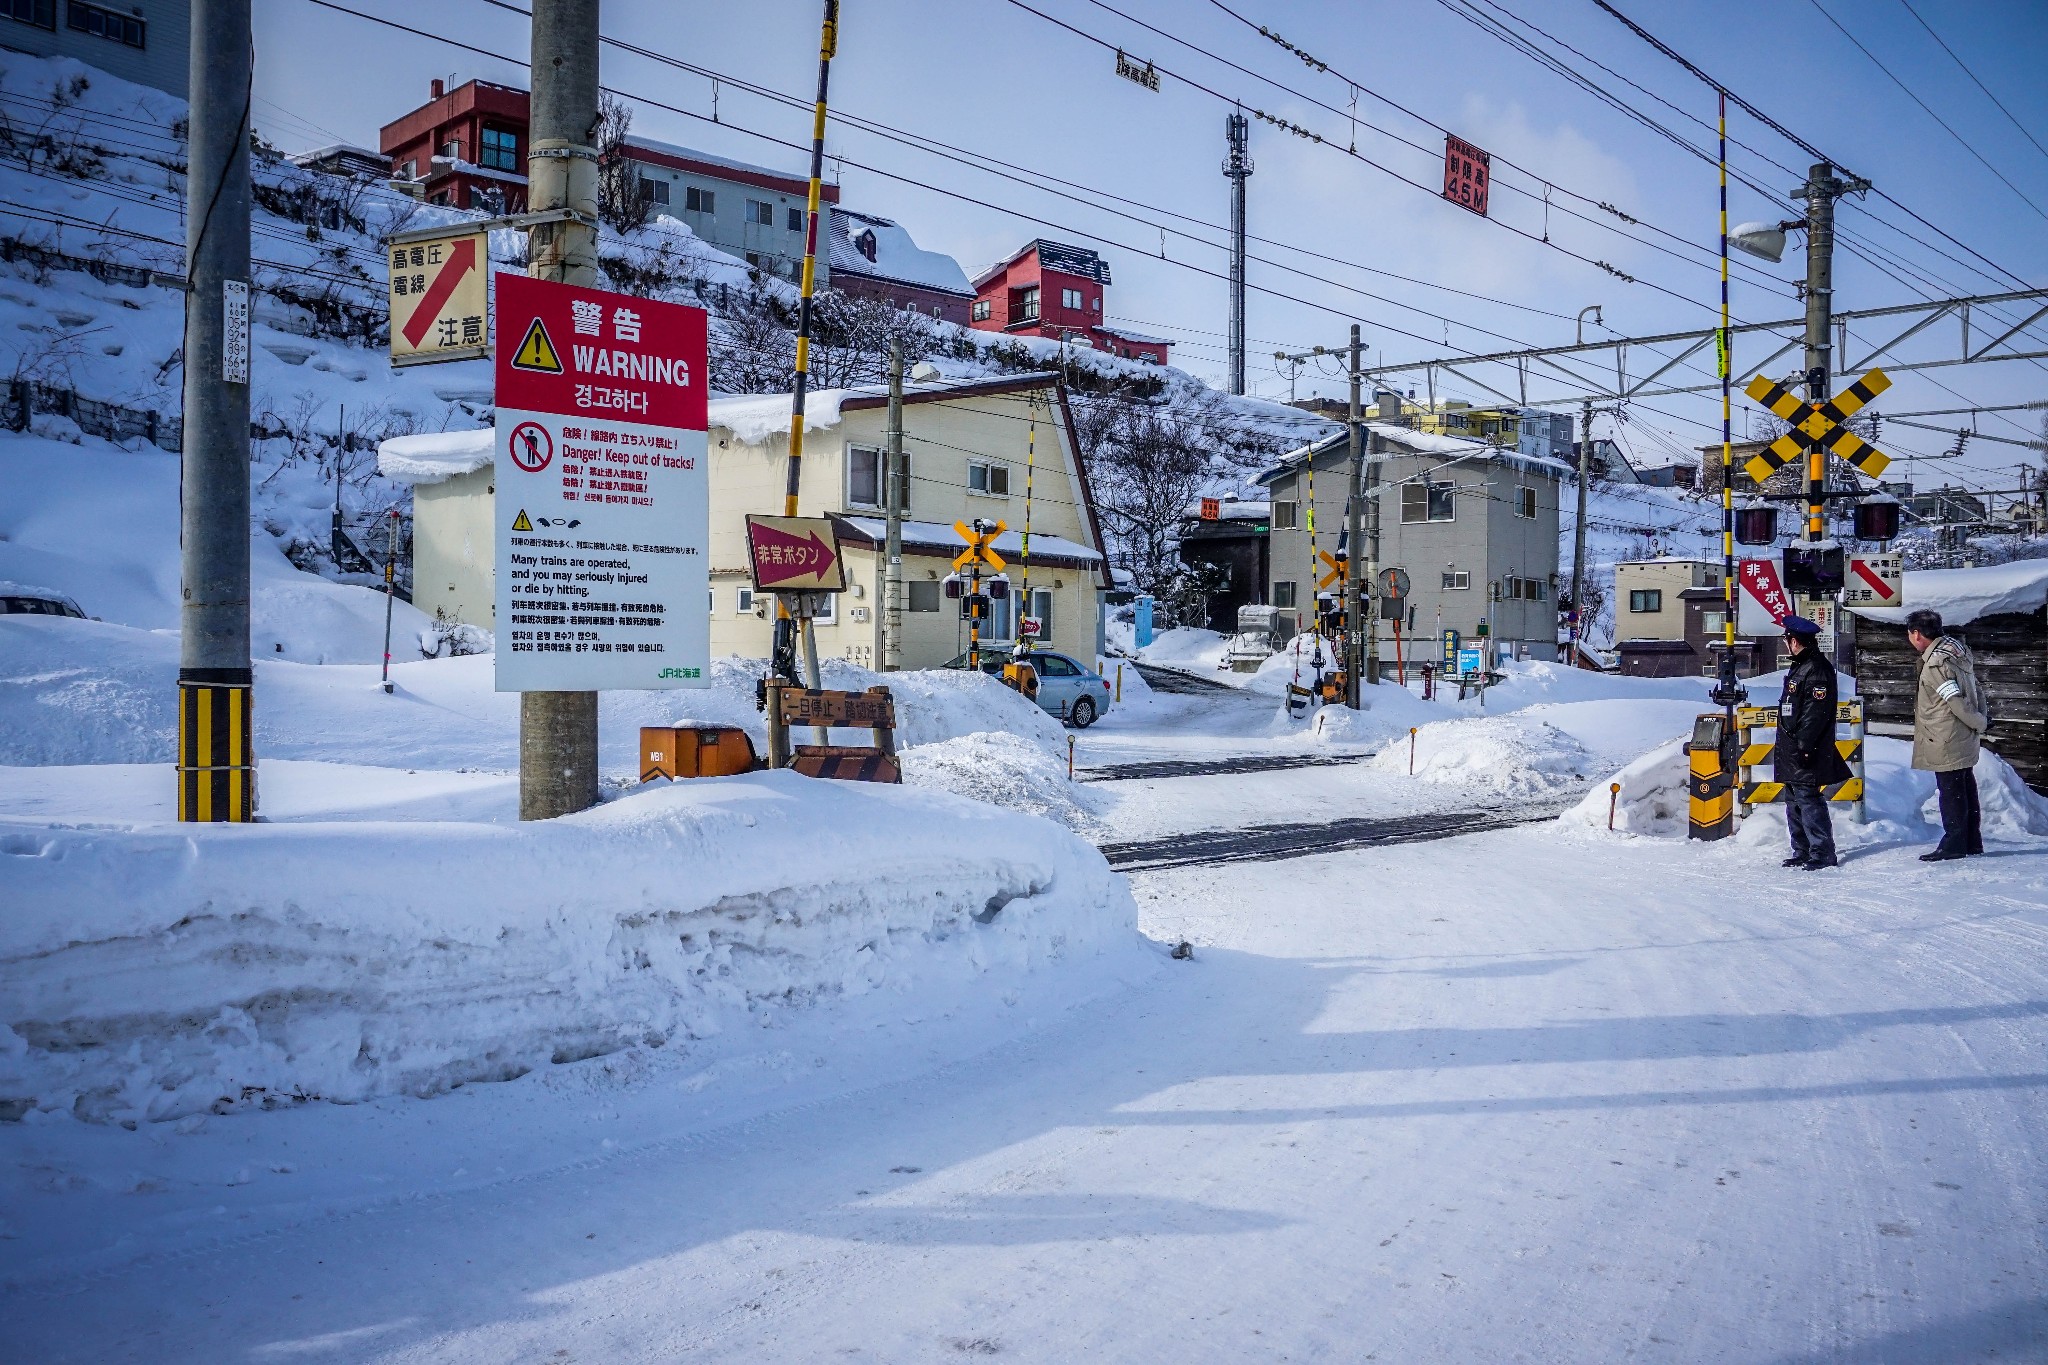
(1081, 714)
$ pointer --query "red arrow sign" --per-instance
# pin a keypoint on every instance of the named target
(461, 260)
(779, 556)
(1877, 585)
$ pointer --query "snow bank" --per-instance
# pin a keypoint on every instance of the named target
(1899, 802)
(152, 971)
(1511, 756)
(1004, 770)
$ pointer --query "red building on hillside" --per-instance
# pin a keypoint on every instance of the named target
(1049, 289)
(465, 147)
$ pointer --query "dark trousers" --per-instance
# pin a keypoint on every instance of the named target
(1813, 829)
(1962, 819)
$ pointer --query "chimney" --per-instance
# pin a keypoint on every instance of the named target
(437, 88)
(1389, 402)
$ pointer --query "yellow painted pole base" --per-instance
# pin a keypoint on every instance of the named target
(216, 759)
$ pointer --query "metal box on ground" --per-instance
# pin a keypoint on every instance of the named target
(695, 751)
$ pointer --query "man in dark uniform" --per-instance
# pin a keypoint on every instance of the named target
(1804, 757)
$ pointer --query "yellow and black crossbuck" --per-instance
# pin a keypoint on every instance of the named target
(1822, 426)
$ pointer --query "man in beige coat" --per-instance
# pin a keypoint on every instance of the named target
(1948, 724)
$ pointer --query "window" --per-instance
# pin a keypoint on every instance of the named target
(924, 595)
(1098, 303)
(1525, 502)
(699, 201)
(828, 610)
(452, 149)
(796, 220)
(41, 13)
(1283, 593)
(656, 191)
(1054, 666)
(126, 29)
(1041, 611)
(1428, 502)
(1646, 599)
(1526, 589)
(1070, 298)
(1459, 580)
(1027, 304)
(761, 212)
(743, 601)
(980, 311)
(1713, 622)
(500, 151)
(1000, 614)
(1286, 516)
(866, 467)
(992, 479)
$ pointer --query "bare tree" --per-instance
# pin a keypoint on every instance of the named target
(623, 202)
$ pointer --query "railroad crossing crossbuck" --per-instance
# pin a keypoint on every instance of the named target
(1823, 426)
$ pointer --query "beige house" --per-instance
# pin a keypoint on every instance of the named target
(1648, 595)
(974, 448)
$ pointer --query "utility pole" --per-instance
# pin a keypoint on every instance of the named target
(216, 681)
(1354, 536)
(1821, 190)
(1579, 529)
(892, 605)
(1237, 168)
(558, 730)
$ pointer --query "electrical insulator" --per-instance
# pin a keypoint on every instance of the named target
(1756, 525)
(1877, 519)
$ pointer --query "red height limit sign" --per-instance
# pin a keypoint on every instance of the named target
(1468, 174)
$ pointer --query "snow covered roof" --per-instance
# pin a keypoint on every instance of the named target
(1964, 595)
(1068, 260)
(932, 535)
(896, 256)
(1128, 335)
(1412, 442)
(1234, 509)
(636, 143)
(433, 457)
(756, 418)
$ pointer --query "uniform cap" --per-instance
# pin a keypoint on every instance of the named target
(1799, 625)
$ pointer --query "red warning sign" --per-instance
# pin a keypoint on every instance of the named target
(590, 353)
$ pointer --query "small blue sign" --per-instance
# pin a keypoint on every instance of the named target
(1471, 661)
(1144, 621)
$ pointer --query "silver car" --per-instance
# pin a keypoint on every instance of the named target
(1067, 688)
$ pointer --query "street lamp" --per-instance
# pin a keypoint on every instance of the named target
(1765, 241)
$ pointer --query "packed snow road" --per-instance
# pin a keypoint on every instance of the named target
(1453, 1101)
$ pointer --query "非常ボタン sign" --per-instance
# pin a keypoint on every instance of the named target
(1874, 581)
(602, 499)
(795, 554)
(1761, 602)
(1824, 426)
(440, 293)
(1468, 174)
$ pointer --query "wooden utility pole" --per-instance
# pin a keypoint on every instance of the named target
(896, 484)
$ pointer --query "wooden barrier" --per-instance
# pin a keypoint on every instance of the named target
(873, 710)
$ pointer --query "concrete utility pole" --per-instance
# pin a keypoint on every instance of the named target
(216, 762)
(1821, 190)
(558, 730)
(1354, 539)
(1237, 168)
(892, 499)
(1579, 530)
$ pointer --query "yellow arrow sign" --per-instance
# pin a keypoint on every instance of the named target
(1336, 563)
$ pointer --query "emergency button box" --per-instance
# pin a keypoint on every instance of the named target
(695, 751)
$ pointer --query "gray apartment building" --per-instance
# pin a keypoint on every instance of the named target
(145, 41)
(1474, 525)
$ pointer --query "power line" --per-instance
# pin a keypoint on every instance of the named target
(1926, 109)
(1973, 77)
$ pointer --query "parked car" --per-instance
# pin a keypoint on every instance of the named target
(18, 599)
(1068, 688)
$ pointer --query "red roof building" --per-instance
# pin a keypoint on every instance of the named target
(1050, 289)
(465, 148)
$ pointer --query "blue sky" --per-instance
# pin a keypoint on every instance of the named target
(995, 79)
